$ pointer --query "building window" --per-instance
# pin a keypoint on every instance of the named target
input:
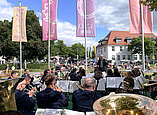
(124, 57)
(135, 57)
(140, 57)
(113, 48)
(118, 57)
(113, 57)
(126, 48)
(129, 57)
(128, 40)
(104, 49)
(118, 40)
(121, 48)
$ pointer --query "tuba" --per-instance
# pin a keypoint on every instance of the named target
(7, 94)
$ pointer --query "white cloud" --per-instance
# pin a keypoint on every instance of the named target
(6, 10)
(112, 14)
(67, 33)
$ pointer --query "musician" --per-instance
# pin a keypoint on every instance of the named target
(128, 83)
(26, 72)
(52, 97)
(29, 79)
(102, 63)
(46, 72)
(84, 97)
(14, 75)
(61, 73)
(24, 101)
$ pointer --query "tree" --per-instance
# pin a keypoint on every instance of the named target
(151, 3)
(35, 48)
(8, 49)
(136, 46)
(77, 48)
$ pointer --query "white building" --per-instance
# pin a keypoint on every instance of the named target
(115, 46)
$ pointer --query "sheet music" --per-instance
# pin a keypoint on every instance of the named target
(136, 84)
(71, 112)
(63, 84)
(113, 82)
(91, 113)
(58, 112)
(72, 86)
(52, 112)
(101, 86)
(40, 112)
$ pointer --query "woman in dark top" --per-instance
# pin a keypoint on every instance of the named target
(73, 75)
(109, 73)
(52, 97)
(116, 73)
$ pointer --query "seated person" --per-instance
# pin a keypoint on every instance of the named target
(116, 73)
(52, 97)
(128, 84)
(26, 72)
(61, 73)
(73, 75)
(109, 73)
(24, 101)
(81, 73)
(29, 79)
(98, 74)
(14, 75)
(46, 72)
(84, 98)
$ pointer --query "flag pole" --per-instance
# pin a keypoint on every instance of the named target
(20, 38)
(85, 33)
(143, 53)
(48, 34)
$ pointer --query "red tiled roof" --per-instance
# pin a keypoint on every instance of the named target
(123, 34)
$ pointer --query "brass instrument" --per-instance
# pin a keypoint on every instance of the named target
(125, 104)
(7, 95)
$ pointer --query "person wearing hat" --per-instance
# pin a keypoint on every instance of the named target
(84, 98)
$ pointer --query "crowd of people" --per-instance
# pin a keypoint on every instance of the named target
(30, 96)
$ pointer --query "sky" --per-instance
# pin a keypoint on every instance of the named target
(109, 15)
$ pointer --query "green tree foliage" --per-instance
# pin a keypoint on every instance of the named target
(8, 49)
(77, 48)
(34, 48)
(151, 3)
(136, 46)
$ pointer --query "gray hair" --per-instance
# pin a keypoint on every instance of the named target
(88, 82)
